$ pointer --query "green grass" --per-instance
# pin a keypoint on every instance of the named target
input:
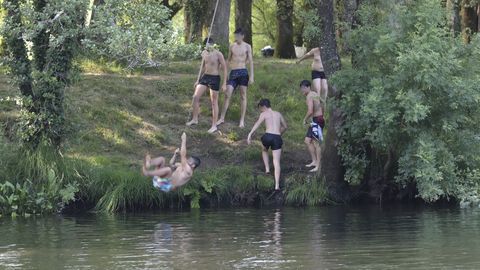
(115, 117)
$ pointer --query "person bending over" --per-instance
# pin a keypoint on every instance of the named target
(275, 126)
(314, 133)
(167, 178)
(239, 54)
(319, 79)
(209, 78)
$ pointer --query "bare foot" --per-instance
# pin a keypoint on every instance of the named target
(267, 171)
(314, 169)
(192, 123)
(241, 125)
(221, 121)
(310, 165)
(212, 130)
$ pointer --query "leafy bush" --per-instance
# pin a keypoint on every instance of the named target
(411, 102)
(137, 33)
(36, 182)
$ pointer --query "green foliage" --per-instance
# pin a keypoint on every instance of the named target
(36, 182)
(305, 190)
(413, 92)
(42, 70)
(311, 23)
(137, 34)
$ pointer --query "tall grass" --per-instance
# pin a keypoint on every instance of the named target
(306, 190)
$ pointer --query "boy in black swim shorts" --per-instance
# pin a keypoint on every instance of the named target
(275, 126)
(209, 78)
(239, 54)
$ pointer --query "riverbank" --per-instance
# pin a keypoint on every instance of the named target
(115, 118)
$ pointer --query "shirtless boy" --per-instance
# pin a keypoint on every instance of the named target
(167, 178)
(275, 126)
(319, 79)
(239, 54)
(314, 133)
(209, 78)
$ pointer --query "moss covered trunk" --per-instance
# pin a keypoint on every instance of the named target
(284, 47)
(243, 18)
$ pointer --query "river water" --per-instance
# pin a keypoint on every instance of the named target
(287, 238)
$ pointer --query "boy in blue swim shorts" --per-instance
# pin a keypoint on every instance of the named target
(167, 178)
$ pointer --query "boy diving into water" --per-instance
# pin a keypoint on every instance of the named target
(167, 178)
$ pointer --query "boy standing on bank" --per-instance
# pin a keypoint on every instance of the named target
(314, 135)
(209, 78)
(239, 54)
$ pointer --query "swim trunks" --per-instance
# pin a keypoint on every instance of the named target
(315, 131)
(273, 141)
(211, 81)
(238, 77)
(318, 75)
(163, 184)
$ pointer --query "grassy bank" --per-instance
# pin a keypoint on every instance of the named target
(115, 118)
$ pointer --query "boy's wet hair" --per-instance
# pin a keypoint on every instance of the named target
(239, 31)
(264, 103)
(196, 161)
(208, 40)
(305, 83)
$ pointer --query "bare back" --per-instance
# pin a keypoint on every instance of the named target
(317, 103)
(317, 60)
(212, 62)
(273, 122)
(239, 54)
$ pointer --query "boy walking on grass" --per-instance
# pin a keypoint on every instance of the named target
(275, 126)
(167, 178)
(209, 78)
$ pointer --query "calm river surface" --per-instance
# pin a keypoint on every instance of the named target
(287, 238)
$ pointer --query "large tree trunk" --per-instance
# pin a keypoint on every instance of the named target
(220, 30)
(194, 20)
(243, 18)
(453, 9)
(284, 47)
(469, 20)
(332, 168)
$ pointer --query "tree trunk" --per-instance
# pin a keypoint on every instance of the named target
(284, 47)
(220, 30)
(17, 49)
(194, 20)
(332, 168)
(243, 18)
(453, 9)
(174, 8)
(469, 20)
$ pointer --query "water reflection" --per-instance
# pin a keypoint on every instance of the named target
(317, 238)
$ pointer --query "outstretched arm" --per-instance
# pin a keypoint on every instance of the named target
(305, 56)
(183, 150)
(255, 127)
